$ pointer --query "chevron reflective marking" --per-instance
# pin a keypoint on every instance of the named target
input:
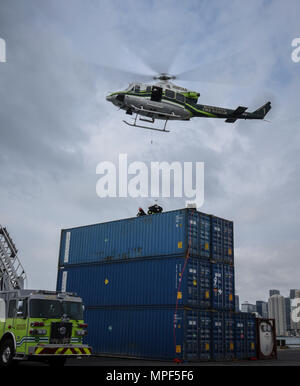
(62, 351)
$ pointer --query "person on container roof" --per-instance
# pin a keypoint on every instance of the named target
(141, 212)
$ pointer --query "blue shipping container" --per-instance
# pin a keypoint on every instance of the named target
(150, 281)
(218, 336)
(233, 335)
(251, 337)
(245, 335)
(229, 343)
(159, 333)
(164, 234)
(222, 248)
(168, 333)
(223, 287)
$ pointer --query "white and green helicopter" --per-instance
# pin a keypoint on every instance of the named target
(166, 101)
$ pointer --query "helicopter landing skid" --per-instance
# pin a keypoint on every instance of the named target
(147, 127)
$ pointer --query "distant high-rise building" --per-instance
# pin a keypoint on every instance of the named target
(248, 307)
(237, 303)
(262, 308)
(288, 313)
(274, 292)
(294, 293)
(294, 305)
(276, 309)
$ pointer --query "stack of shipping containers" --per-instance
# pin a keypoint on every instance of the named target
(158, 286)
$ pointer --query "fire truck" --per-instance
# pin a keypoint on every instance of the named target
(36, 324)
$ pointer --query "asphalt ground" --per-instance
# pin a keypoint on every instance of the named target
(286, 357)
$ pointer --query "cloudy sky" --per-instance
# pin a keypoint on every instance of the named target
(56, 125)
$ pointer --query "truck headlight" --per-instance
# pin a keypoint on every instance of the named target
(81, 332)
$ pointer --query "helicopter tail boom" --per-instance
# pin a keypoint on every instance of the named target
(239, 113)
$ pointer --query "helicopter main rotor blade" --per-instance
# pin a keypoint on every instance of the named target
(230, 70)
(120, 74)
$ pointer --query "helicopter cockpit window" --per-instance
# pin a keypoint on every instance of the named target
(170, 94)
(130, 87)
(180, 97)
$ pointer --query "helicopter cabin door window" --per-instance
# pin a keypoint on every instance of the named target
(180, 97)
(170, 94)
(156, 94)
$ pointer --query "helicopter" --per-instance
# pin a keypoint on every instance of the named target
(166, 101)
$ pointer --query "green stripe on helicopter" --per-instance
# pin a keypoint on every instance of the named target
(201, 111)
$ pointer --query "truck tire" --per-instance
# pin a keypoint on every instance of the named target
(7, 352)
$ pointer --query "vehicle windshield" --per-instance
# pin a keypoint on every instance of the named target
(55, 309)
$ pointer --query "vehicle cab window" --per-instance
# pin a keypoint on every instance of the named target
(137, 88)
(21, 308)
(2, 310)
(12, 308)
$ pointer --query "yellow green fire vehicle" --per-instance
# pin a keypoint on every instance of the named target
(35, 324)
(41, 325)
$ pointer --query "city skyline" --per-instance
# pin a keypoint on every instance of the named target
(266, 299)
(278, 307)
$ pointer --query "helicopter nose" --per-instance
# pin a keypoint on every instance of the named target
(120, 97)
(116, 99)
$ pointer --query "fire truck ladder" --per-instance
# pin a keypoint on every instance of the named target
(12, 274)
